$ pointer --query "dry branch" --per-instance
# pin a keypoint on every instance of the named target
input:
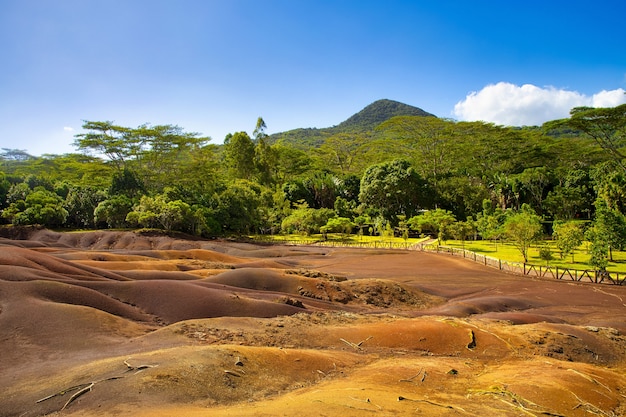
(78, 394)
(87, 387)
(411, 378)
(356, 346)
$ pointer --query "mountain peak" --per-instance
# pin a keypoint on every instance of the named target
(363, 121)
(380, 111)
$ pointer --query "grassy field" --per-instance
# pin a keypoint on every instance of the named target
(508, 252)
(502, 250)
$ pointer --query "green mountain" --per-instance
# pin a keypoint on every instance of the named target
(378, 112)
(363, 121)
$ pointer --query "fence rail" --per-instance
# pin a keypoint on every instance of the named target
(555, 272)
(559, 273)
(361, 245)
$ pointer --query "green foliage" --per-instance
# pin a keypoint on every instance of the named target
(522, 229)
(569, 236)
(112, 212)
(341, 225)
(432, 221)
(461, 230)
(608, 232)
(40, 206)
(239, 155)
(490, 222)
(161, 212)
(393, 188)
(545, 253)
(379, 168)
(306, 220)
(80, 203)
(606, 126)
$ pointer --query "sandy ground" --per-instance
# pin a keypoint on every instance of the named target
(122, 323)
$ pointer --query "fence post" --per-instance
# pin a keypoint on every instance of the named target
(500, 264)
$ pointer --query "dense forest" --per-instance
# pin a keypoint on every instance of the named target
(390, 167)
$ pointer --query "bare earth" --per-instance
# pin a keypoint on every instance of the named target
(122, 323)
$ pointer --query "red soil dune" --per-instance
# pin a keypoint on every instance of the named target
(123, 323)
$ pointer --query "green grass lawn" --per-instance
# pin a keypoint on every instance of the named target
(508, 252)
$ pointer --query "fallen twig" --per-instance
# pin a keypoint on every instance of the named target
(233, 373)
(589, 378)
(411, 378)
(356, 346)
(78, 394)
(87, 387)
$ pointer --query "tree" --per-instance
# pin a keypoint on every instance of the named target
(41, 207)
(343, 152)
(534, 182)
(80, 204)
(393, 188)
(428, 139)
(609, 227)
(606, 126)
(237, 207)
(323, 188)
(490, 222)
(113, 211)
(523, 229)
(341, 225)
(128, 183)
(434, 221)
(239, 155)
(461, 230)
(572, 197)
(568, 237)
(598, 248)
(106, 138)
(160, 152)
(265, 157)
(306, 220)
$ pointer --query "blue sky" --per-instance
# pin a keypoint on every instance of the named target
(214, 66)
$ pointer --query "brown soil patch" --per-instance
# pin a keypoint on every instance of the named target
(121, 323)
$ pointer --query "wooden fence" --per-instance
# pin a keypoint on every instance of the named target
(361, 245)
(560, 273)
(555, 272)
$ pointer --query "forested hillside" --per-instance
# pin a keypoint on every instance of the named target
(363, 121)
(388, 167)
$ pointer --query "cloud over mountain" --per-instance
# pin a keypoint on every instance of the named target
(512, 105)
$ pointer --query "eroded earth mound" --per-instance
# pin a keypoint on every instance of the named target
(125, 323)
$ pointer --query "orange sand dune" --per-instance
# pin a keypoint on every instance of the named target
(124, 323)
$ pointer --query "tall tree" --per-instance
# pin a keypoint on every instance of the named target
(394, 188)
(523, 229)
(568, 237)
(428, 139)
(606, 126)
(239, 155)
(343, 152)
(610, 227)
(108, 139)
(434, 221)
(265, 157)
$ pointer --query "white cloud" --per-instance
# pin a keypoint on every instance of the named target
(68, 129)
(512, 105)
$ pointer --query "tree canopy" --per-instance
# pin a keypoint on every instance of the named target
(389, 169)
